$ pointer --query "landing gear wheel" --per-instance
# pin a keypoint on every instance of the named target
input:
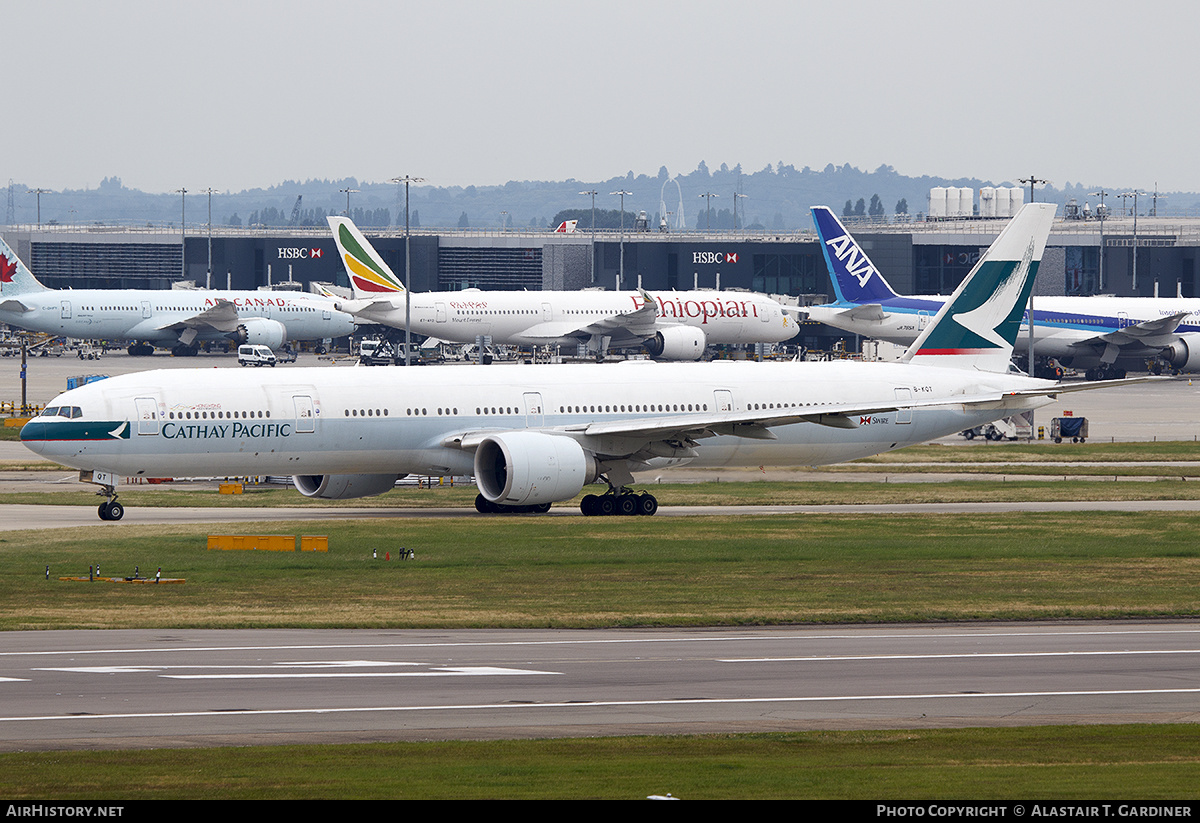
(627, 505)
(647, 505)
(111, 511)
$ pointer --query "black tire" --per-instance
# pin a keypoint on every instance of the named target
(627, 505)
(103, 511)
(115, 511)
(483, 505)
(647, 505)
(606, 505)
(588, 505)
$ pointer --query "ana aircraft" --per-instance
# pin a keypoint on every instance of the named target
(676, 326)
(171, 317)
(1102, 335)
(535, 435)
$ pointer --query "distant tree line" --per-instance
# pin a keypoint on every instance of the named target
(271, 216)
(859, 210)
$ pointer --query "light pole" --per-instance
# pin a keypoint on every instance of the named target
(208, 277)
(406, 180)
(736, 197)
(348, 192)
(1134, 194)
(1031, 180)
(708, 208)
(592, 265)
(182, 192)
(621, 267)
(39, 193)
(1101, 213)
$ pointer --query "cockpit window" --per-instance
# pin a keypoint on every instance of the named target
(62, 411)
(50, 411)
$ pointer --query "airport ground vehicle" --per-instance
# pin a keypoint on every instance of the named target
(256, 355)
(1075, 428)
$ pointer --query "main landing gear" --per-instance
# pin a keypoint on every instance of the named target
(619, 502)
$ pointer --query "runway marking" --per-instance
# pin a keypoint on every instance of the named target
(227, 672)
(608, 641)
(963, 656)
(603, 704)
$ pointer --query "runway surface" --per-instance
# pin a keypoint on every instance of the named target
(82, 689)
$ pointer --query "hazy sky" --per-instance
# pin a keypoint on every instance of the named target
(235, 95)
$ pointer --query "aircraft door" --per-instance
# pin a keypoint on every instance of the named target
(306, 418)
(441, 312)
(922, 320)
(723, 400)
(535, 413)
(147, 415)
(904, 396)
(66, 309)
(547, 313)
(147, 312)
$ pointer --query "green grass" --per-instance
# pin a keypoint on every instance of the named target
(533, 571)
(1099, 763)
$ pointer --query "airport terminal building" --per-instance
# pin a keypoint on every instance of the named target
(1118, 255)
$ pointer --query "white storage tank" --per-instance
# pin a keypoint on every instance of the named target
(987, 201)
(937, 203)
(1003, 205)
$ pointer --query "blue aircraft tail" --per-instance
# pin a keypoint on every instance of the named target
(855, 278)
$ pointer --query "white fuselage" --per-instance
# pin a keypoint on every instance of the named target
(317, 421)
(555, 317)
(148, 315)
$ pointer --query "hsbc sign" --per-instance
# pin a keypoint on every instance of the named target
(298, 253)
(713, 257)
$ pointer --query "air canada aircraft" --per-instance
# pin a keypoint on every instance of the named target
(535, 435)
(1102, 335)
(180, 318)
(672, 326)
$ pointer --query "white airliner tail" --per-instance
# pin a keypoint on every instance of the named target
(15, 278)
(566, 227)
(977, 327)
(369, 275)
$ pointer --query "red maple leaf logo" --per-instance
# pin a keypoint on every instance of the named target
(7, 269)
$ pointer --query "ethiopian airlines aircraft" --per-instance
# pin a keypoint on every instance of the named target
(536, 435)
(1103, 335)
(175, 317)
(673, 326)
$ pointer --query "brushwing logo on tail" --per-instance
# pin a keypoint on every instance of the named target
(976, 327)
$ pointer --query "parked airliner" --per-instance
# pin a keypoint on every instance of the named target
(1102, 335)
(171, 317)
(672, 326)
(536, 435)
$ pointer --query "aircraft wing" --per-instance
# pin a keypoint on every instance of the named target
(757, 424)
(639, 323)
(15, 306)
(223, 317)
(369, 305)
(1151, 333)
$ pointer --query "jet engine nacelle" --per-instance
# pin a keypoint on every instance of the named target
(262, 332)
(343, 486)
(1184, 353)
(677, 343)
(529, 468)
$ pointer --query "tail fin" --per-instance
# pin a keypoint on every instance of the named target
(369, 275)
(978, 325)
(855, 278)
(566, 227)
(15, 278)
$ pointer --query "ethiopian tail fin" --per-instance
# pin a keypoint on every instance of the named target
(369, 275)
(977, 327)
(15, 278)
(855, 278)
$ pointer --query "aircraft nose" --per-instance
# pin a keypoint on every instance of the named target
(33, 435)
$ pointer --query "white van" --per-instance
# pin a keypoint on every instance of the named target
(257, 355)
